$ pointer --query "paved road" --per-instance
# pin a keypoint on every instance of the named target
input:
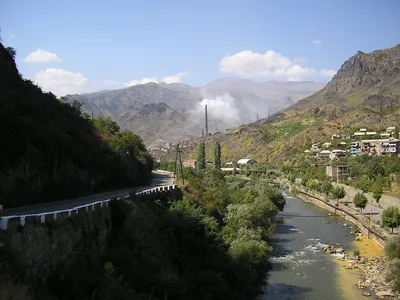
(160, 178)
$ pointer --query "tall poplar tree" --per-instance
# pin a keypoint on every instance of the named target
(217, 155)
(201, 156)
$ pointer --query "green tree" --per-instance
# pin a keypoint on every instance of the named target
(201, 156)
(377, 190)
(391, 217)
(338, 193)
(217, 155)
(364, 184)
(326, 187)
(360, 201)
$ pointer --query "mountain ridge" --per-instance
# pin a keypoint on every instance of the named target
(365, 92)
(228, 106)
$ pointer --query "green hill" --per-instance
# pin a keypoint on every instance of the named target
(50, 150)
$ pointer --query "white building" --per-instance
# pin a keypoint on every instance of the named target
(246, 162)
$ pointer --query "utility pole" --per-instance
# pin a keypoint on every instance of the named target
(369, 224)
(178, 159)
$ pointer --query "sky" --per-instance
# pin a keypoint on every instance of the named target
(82, 46)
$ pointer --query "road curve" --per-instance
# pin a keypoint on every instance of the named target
(160, 178)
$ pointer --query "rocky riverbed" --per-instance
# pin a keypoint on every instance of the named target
(372, 272)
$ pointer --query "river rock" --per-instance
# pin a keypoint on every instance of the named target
(339, 249)
(388, 293)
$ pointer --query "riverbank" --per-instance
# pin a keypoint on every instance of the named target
(365, 271)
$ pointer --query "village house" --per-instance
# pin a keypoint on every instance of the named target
(338, 172)
(389, 148)
(246, 162)
(191, 163)
(324, 154)
(326, 145)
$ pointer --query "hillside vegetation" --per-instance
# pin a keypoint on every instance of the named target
(364, 93)
(51, 150)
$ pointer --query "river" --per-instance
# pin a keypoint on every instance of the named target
(300, 268)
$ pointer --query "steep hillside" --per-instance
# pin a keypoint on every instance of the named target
(364, 93)
(231, 102)
(50, 151)
(156, 122)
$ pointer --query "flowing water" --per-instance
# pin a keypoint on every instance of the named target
(301, 270)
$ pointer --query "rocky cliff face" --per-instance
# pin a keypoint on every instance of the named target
(361, 76)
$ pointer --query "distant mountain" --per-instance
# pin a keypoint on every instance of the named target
(169, 112)
(364, 93)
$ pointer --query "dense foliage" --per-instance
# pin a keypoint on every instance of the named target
(391, 217)
(51, 150)
(212, 244)
(392, 250)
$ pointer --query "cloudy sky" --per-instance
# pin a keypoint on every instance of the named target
(81, 46)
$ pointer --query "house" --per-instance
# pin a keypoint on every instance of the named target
(342, 145)
(363, 130)
(370, 133)
(359, 133)
(191, 163)
(315, 148)
(246, 162)
(355, 145)
(306, 151)
(385, 135)
(326, 145)
(229, 164)
(390, 129)
(337, 172)
(324, 154)
(353, 151)
(335, 137)
(389, 148)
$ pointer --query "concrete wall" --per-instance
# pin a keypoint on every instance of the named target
(37, 244)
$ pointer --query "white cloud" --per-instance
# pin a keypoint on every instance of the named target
(42, 56)
(168, 79)
(174, 78)
(61, 82)
(317, 42)
(109, 82)
(327, 73)
(270, 64)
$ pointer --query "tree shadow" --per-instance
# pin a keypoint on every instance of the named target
(282, 291)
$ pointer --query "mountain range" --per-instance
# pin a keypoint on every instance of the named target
(163, 112)
(365, 92)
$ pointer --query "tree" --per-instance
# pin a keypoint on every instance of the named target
(391, 217)
(326, 187)
(201, 156)
(364, 184)
(12, 52)
(338, 193)
(360, 201)
(377, 190)
(217, 155)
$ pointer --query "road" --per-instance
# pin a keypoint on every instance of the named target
(160, 178)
